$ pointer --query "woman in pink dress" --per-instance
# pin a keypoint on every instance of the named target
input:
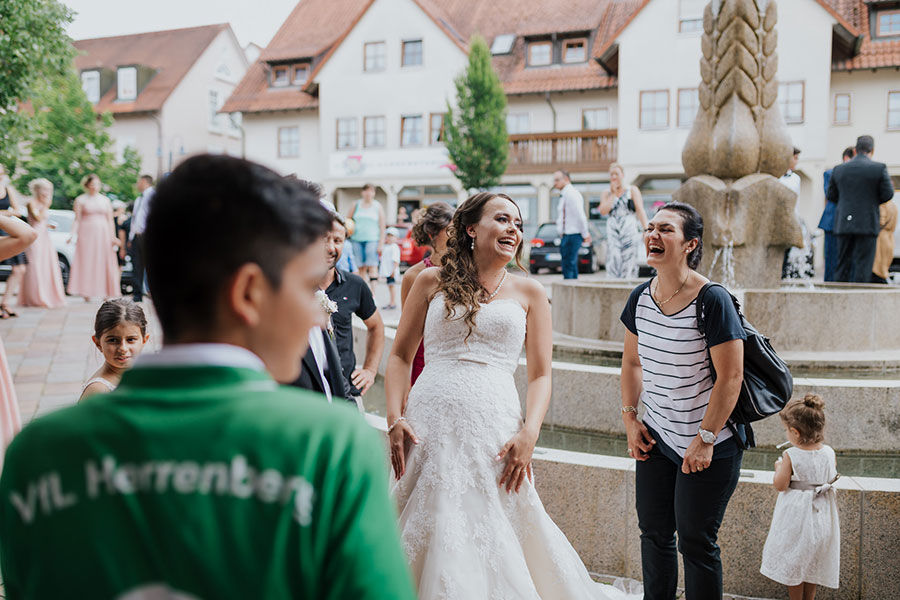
(18, 237)
(43, 284)
(95, 272)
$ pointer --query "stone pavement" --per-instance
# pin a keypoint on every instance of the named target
(51, 355)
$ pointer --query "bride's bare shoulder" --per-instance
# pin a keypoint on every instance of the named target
(530, 290)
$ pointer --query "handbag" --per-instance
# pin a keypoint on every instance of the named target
(767, 385)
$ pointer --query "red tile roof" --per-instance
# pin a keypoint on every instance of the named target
(873, 53)
(171, 53)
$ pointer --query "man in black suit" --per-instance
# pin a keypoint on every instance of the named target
(320, 370)
(858, 187)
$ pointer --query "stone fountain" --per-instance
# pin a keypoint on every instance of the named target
(739, 146)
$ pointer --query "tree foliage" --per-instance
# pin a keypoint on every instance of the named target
(476, 128)
(70, 141)
(34, 47)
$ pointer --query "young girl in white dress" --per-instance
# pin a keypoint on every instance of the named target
(120, 332)
(804, 543)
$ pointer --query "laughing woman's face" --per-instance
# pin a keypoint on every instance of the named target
(664, 240)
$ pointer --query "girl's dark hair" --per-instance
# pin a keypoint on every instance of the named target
(117, 311)
(807, 416)
(459, 274)
(691, 227)
(435, 219)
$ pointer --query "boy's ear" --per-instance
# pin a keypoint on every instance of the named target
(246, 293)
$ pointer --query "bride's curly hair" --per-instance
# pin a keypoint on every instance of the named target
(458, 279)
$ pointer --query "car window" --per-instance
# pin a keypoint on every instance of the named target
(63, 221)
(548, 231)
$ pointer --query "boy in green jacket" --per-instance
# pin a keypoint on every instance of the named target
(200, 476)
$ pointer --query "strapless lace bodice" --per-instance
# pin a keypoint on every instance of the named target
(496, 341)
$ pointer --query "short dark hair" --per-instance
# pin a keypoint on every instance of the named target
(147, 178)
(849, 152)
(435, 219)
(251, 215)
(117, 311)
(796, 150)
(368, 186)
(865, 144)
(692, 228)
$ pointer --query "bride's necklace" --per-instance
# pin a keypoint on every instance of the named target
(655, 297)
(499, 285)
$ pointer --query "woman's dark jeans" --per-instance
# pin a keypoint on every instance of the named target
(693, 505)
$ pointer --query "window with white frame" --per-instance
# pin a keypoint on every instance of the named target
(347, 133)
(842, 109)
(893, 112)
(790, 99)
(235, 121)
(90, 83)
(540, 54)
(374, 56)
(288, 142)
(594, 118)
(654, 109)
(126, 83)
(517, 123)
(301, 74)
(281, 76)
(412, 53)
(373, 132)
(688, 105)
(690, 15)
(215, 103)
(412, 131)
(436, 129)
(888, 23)
(574, 51)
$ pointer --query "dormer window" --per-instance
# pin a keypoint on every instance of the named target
(126, 83)
(503, 44)
(690, 15)
(888, 23)
(574, 51)
(301, 74)
(281, 76)
(540, 54)
(90, 83)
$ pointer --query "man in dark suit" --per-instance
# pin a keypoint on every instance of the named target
(320, 370)
(858, 187)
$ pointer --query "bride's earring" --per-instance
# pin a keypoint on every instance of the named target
(472, 245)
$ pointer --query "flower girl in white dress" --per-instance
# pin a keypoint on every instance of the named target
(472, 524)
(803, 549)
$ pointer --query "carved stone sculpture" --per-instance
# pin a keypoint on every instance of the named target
(739, 129)
(738, 146)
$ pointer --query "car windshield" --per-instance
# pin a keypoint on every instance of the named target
(548, 231)
(63, 221)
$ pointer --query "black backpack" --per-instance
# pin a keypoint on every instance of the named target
(767, 384)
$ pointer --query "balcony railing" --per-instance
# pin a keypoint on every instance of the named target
(576, 151)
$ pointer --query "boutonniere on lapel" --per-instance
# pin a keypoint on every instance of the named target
(330, 307)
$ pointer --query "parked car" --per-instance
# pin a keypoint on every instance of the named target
(410, 252)
(62, 220)
(545, 251)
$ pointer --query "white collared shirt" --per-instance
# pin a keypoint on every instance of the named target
(317, 345)
(197, 355)
(570, 212)
(139, 217)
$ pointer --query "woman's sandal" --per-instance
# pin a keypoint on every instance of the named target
(5, 313)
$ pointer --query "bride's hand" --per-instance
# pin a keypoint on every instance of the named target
(401, 436)
(518, 453)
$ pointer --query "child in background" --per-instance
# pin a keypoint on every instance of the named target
(120, 332)
(803, 547)
(389, 267)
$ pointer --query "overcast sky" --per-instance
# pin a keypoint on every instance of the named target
(252, 20)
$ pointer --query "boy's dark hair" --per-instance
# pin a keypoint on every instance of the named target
(865, 144)
(147, 178)
(849, 152)
(247, 214)
(117, 311)
(796, 150)
(692, 228)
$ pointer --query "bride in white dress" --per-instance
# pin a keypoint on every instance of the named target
(472, 524)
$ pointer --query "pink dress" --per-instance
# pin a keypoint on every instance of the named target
(95, 271)
(419, 359)
(43, 284)
(10, 421)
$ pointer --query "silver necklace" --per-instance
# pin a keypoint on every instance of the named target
(499, 285)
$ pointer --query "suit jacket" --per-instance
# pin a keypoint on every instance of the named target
(309, 372)
(858, 187)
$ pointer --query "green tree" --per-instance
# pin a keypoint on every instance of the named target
(476, 128)
(71, 141)
(33, 48)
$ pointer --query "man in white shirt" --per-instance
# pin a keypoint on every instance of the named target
(136, 234)
(571, 223)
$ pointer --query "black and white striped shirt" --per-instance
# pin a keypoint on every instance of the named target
(677, 379)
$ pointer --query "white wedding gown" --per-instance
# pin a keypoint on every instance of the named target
(465, 537)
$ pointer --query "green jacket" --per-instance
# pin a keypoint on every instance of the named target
(204, 481)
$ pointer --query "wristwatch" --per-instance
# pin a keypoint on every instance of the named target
(708, 437)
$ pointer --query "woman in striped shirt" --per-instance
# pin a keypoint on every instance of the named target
(688, 459)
